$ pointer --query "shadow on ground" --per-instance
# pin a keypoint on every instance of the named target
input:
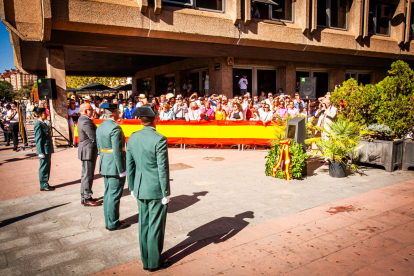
(25, 216)
(217, 231)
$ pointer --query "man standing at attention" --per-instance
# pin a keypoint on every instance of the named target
(44, 148)
(87, 153)
(111, 146)
(243, 82)
(149, 182)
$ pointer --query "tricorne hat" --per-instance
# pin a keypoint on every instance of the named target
(148, 110)
(39, 109)
(108, 106)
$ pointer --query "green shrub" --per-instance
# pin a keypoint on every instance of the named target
(389, 102)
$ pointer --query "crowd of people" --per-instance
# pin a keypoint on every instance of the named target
(264, 108)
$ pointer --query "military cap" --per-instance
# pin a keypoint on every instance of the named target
(39, 109)
(148, 110)
(108, 106)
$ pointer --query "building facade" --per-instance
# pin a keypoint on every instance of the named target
(18, 79)
(159, 42)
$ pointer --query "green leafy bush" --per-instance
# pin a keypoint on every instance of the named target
(389, 102)
(379, 132)
(298, 160)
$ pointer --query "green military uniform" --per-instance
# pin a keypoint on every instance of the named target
(111, 142)
(44, 146)
(148, 178)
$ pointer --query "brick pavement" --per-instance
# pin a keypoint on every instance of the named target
(367, 234)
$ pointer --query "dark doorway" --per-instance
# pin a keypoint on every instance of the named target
(266, 81)
(194, 78)
(301, 74)
(237, 75)
(322, 83)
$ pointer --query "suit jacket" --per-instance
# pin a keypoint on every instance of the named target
(109, 135)
(87, 149)
(43, 138)
(148, 171)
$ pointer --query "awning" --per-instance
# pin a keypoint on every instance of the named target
(94, 86)
(70, 89)
(269, 2)
(127, 87)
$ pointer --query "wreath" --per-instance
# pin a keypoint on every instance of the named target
(298, 158)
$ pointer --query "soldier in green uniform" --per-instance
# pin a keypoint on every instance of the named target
(148, 181)
(44, 148)
(111, 147)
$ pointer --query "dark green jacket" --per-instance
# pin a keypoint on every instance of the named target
(109, 135)
(148, 170)
(43, 138)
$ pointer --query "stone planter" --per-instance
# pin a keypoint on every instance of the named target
(388, 154)
(408, 159)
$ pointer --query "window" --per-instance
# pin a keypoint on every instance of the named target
(332, 13)
(216, 5)
(379, 18)
(283, 10)
(361, 78)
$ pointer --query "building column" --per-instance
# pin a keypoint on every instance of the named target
(177, 82)
(152, 84)
(221, 81)
(55, 63)
(290, 88)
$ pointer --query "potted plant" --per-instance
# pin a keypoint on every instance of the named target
(340, 146)
(408, 159)
(388, 103)
(379, 147)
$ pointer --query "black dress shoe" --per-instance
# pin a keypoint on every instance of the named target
(164, 265)
(50, 188)
(120, 226)
(8, 144)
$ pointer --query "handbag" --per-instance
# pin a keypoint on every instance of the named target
(206, 117)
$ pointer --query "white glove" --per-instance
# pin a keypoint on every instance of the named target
(165, 200)
(132, 193)
(41, 155)
(122, 174)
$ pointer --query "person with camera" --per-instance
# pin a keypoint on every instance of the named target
(327, 115)
(3, 112)
(180, 109)
(73, 115)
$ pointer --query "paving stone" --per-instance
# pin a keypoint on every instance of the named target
(3, 261)
(241, 254)
(13, 271)
(353, 258)
(30, 252)
(20, 242)
(61, 233)
(314, 249)
(40, 227)
(56, 259)
(7, 234)
(131, 268)
(277, 263)
(207, 265)
(319, 267)
(83, 238)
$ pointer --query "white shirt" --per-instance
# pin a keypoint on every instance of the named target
(266, 116)
(15, 118)
(139, 104)
(243, 83)
(71, 112)
(207, 82)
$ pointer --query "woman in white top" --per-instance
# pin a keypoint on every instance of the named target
(73, 113)
(266, 115)
(13, 119)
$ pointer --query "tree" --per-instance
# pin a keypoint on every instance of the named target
(23, 92)
(76, 82)
(5, 89)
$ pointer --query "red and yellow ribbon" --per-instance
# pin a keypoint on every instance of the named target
(283, 156)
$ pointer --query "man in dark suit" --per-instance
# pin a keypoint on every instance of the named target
(87, 153)
(148, 180)
(44, 148)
